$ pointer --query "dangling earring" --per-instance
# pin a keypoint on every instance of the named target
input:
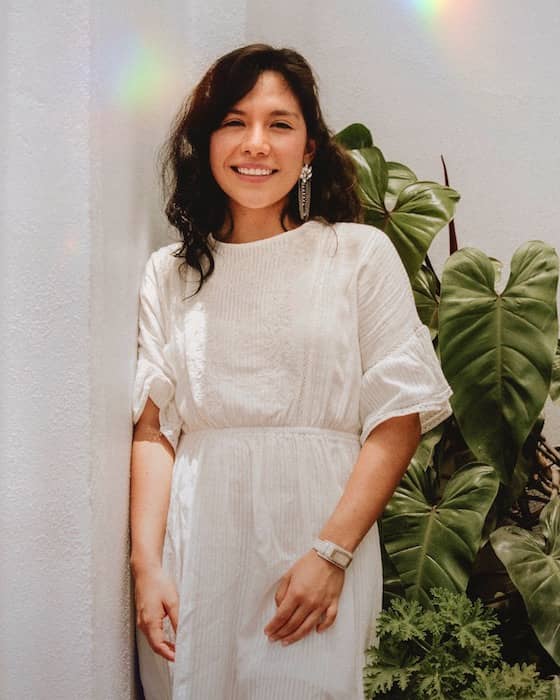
(304, 191)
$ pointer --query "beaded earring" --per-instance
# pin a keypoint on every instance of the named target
(304, 191)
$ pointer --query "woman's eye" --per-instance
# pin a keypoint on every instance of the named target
(236, 121)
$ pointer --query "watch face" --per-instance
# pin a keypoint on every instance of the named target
(340, 557)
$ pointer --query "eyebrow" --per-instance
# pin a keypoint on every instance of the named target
(274, 113)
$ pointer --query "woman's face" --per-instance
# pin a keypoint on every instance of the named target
(252, 135)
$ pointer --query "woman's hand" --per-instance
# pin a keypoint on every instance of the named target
(156, 597)
(309, 589)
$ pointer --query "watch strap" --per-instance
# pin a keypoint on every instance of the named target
(332, 552)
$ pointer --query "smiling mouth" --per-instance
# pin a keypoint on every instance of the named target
(252, 175)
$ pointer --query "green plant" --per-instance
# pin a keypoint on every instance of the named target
(533, 564)
(446, 652)
(488, 467)
(432, 539)
(410, 211)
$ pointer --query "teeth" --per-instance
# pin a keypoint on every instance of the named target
(253, 171)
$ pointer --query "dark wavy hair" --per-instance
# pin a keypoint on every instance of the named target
(194, 203)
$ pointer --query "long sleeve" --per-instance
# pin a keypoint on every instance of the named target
(155, 376)
(401, 373)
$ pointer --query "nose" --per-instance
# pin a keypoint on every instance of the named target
(255, 141)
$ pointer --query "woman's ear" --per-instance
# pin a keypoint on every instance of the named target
(310, 150)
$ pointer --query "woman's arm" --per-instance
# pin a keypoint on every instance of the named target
(150, 483)
(381, 463)
(155, 594)
(312, 586)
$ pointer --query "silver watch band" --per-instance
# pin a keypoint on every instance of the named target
(332, 552)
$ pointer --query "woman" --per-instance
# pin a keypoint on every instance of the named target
(279, 397)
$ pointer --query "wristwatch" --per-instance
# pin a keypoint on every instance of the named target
(332, 552)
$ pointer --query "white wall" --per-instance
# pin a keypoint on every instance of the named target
(89, 89)
(46, 585)
(475, 81)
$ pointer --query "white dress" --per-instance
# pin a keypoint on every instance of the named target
(268, 382)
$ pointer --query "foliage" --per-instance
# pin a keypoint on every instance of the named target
(447, 652)
(555, 383)
(433, 541)
(518, 682)
(485, 474)
(497, 349)
(410, 211)
(533, 564)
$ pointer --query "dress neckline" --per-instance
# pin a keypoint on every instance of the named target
(261, 242)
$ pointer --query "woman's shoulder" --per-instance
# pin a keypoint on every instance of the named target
(363, 239)
(162, 261)
(163, 257)
(162, 267)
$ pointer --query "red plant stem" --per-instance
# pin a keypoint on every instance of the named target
(452, 235)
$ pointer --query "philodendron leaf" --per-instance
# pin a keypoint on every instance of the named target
(372, 183)
(392, 584)
(421, 211)
(409, 211)
(497, 349)
(426, 297)
(398, 177)
(533, 564)
(498, 268)
(434, 544)
(425, 450)
(523, 469)
(555, 382)
(354, 136)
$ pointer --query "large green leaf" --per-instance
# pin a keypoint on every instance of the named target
(424, 286)
(398, 176)
(434, 543)
(392, 584)
(373, 179)
(354, 136)
(555, 382)
(497, 349)
(421, 211)
(523, 469)
(409, 211)
(533, 564)
(425, 450)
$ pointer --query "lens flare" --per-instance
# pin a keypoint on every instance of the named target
(449, 24)
(430, 9)
(143, 76)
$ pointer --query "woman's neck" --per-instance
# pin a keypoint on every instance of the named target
(250, 226)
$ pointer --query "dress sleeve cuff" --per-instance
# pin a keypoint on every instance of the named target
(150, 381)
(409, 379)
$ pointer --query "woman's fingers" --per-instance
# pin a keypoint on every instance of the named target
(306, 592)
(306, 626)
(154, 634)
(297, 617)
(151, 612)
(283, 614)
(281, 590)
(155, 599)
(330, 617)
(172, 609)
(303, 619)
